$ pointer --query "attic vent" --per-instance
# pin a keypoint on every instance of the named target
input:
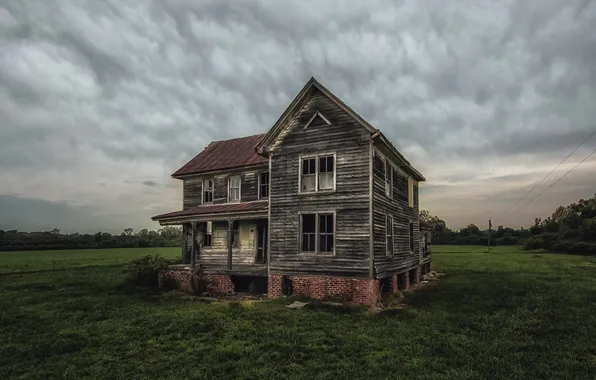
(317, 120)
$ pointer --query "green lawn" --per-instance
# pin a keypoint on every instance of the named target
(507, 315)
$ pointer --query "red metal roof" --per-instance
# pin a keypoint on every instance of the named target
(224, 155)
(216, 209)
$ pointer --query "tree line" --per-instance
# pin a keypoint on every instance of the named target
(570, 229)
(14, 240)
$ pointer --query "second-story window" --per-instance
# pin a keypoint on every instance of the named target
(388, 180)
(234, 188)
(309, 174)
(326, 169)
(207, 191)
(264, 185)
(410, 192)
(317, 173)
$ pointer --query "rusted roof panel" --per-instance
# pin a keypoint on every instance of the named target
(225, 154)
(216, 209)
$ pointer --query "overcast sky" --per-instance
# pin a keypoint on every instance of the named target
(100, 101)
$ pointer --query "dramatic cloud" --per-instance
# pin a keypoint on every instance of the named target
(100, 101)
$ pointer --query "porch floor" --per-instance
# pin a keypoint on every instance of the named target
(237, 269)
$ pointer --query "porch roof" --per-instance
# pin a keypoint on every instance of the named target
(217, 210)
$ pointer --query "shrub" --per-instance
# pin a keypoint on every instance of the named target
(534, 242)
(143, 271)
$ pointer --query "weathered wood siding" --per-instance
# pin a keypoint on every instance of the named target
(402, 214)
(193, 186)
(216, 256)
(192, 193)
(350, 202)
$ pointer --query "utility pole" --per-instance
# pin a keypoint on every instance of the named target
(489, 228)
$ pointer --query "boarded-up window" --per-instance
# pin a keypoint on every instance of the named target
(389, 235)
(234, 188)
(411, 237)
(264, 185)
(208, 191)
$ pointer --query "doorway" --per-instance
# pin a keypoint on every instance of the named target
(261, 255)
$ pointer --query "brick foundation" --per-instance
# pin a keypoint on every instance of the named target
(180, 279)
(360, 291)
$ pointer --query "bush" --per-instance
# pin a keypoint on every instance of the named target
(143, 271)
(534, 242)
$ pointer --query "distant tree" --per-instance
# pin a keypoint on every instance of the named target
(470, 229)
(1, 234)
(128, 231)
(56, 231)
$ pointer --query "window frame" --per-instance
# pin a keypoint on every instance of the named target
(317, 252)
(389, 250)
(260, 184)
(230, 200)
(203, 190)
(316, 157)
(411, 236)
(388, 182)
(411, 183)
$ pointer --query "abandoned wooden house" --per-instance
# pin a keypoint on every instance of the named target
(322, 205)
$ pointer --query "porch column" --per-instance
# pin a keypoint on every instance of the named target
(230, 235)
(195, 245)
(184, 242)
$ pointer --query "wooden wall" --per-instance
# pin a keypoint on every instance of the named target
(216, 256)
(193, 186)
(402, 215)
(350, 142)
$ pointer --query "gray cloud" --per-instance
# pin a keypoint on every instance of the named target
(99, 103)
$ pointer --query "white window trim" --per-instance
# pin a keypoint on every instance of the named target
(239, 188)
(411, 183)
(314, 116)
(392, 252)
(203, 190)
(316, 157)
(316, 252)
(259, 185)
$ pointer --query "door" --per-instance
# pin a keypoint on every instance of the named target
(261, 243)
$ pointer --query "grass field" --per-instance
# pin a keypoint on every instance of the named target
(504, 315)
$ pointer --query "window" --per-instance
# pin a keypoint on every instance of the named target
(410, 192)
(317, 233)
(389, 235)
(411, 237)
(388, 180)
(326, 165)
(264, 185)
(326, 233)
(235, 234)
(207, 235)
(234, 188)
(309, 175)
(317, 173)
(308, 232)
(207, 191)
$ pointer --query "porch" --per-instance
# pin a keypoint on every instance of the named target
(227, 239)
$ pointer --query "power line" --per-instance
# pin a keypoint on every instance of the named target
(551, 172)
(554, 183)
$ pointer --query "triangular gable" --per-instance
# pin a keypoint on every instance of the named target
(297, 103)
(317, 120)
(301, 98)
